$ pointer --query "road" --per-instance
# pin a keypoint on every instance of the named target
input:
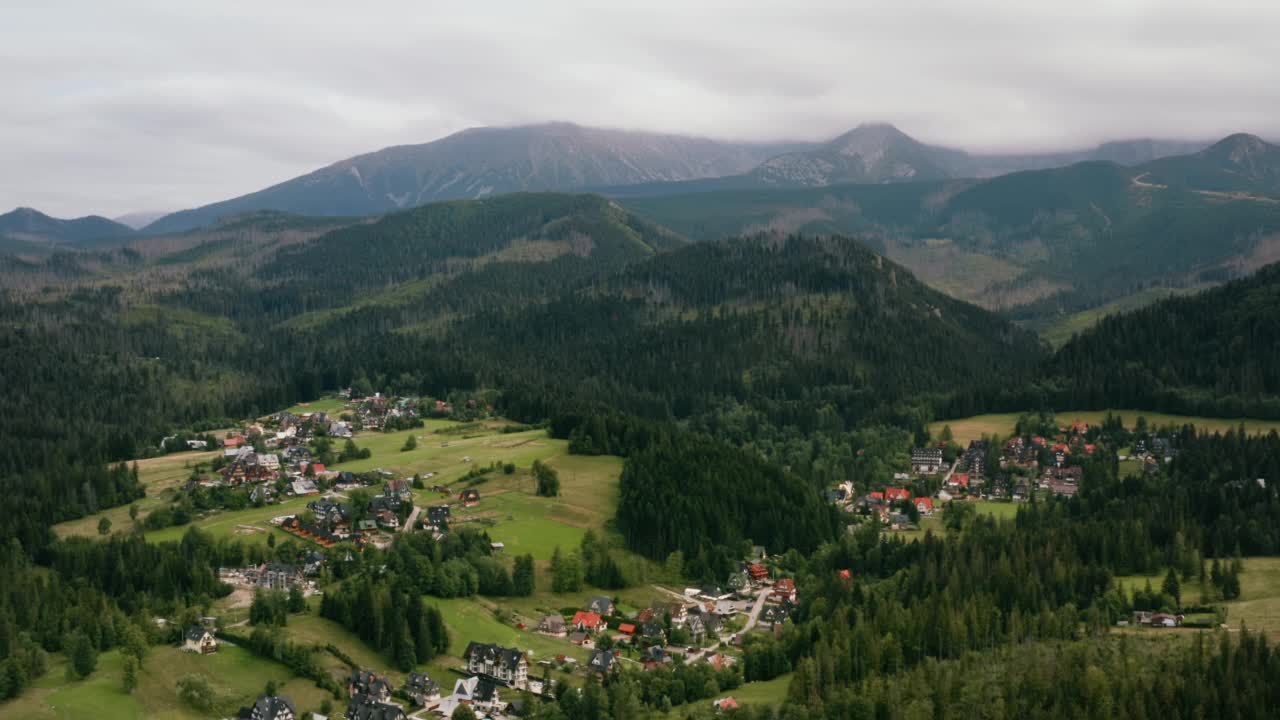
(413, 519)
(754, 616)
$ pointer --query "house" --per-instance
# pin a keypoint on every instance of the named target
(652, 630)
(479, 693)
(894, 494)
(401, 489)
(757, 572)
(1165, 620)
(388, 519)
(653, 656)
(269, 707)
(725, 704)
(627, 629)
(370, 685)
(234, 441)
(924, 505)
(926, 461)
(469, 497)
(303, 486)
(552, 626)
(437, 516)
(958, 481)
(421, 689)
(507, 666)
(588, 622)
(603, 662)
(774, 615)
(1021, 491)
(720, 661)
(313, 563)
(784, 591)
(679, 614)
(363, 707)
(581, 639)
(601, 605)
(199, 640)
(697, 629)
(276, 576)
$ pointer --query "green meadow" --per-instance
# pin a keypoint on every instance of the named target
(1002, 424)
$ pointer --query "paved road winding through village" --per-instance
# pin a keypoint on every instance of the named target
(413, 519)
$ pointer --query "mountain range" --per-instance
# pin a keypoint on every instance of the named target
(32, 228)
(565, 157)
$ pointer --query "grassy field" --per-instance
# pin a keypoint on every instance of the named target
(1259, 603)
(1002, 424)
(327, 404)
(160, 476)
(1061, 330)
(237, 675)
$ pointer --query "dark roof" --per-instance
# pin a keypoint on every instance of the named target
(367, 682)
(599, 604)
(363, 707)
(500, 655)
(421, 682)
(195, 632)
(601, 660)
(269, 707)
(486, 691)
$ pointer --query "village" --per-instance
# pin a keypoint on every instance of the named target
(288, 456)
(1046, 460)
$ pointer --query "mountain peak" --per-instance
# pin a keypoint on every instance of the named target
(1240, 147)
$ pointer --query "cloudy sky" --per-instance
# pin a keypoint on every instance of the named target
(114, 106)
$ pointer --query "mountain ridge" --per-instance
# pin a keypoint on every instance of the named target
(32, 226)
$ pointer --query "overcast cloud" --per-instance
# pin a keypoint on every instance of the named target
(113, 106)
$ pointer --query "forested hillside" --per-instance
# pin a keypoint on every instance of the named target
(1037, 244)
(1210, 353)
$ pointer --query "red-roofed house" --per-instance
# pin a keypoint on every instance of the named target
(234, 441)
(784, 591)
(627, 629)
(1090, 448)
(588, 622)
(896, 493)
(924, 505)
(1037, 440)
(876, 496)
(726, 704)
(1061, 448)
(758, 572)
(318, 468)
(846, 576)
(959, 480)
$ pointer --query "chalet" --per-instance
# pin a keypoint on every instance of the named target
(507, 666)
(421, 689)
(1072, 475)
(588, 622)
(1021, 491)
(627, 629)
(679, 614)
(388, 519)
(924, 505)
(926, 461)
(725, 704)
(401, 489)
(958, 481)
(469, 497)
(774, 615)
(601, 605)
(303, 486)
(784, 591)
(276, 576)
(654, 656)
(757, 572)
(479, 693)
(313, 563)
(437, 516)
(370, 685)
(363, 707)
(199, 640)
(696, 628)
(652, 630)
(581, 639)
(269, 707)
(603, 662)
(894, 494)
